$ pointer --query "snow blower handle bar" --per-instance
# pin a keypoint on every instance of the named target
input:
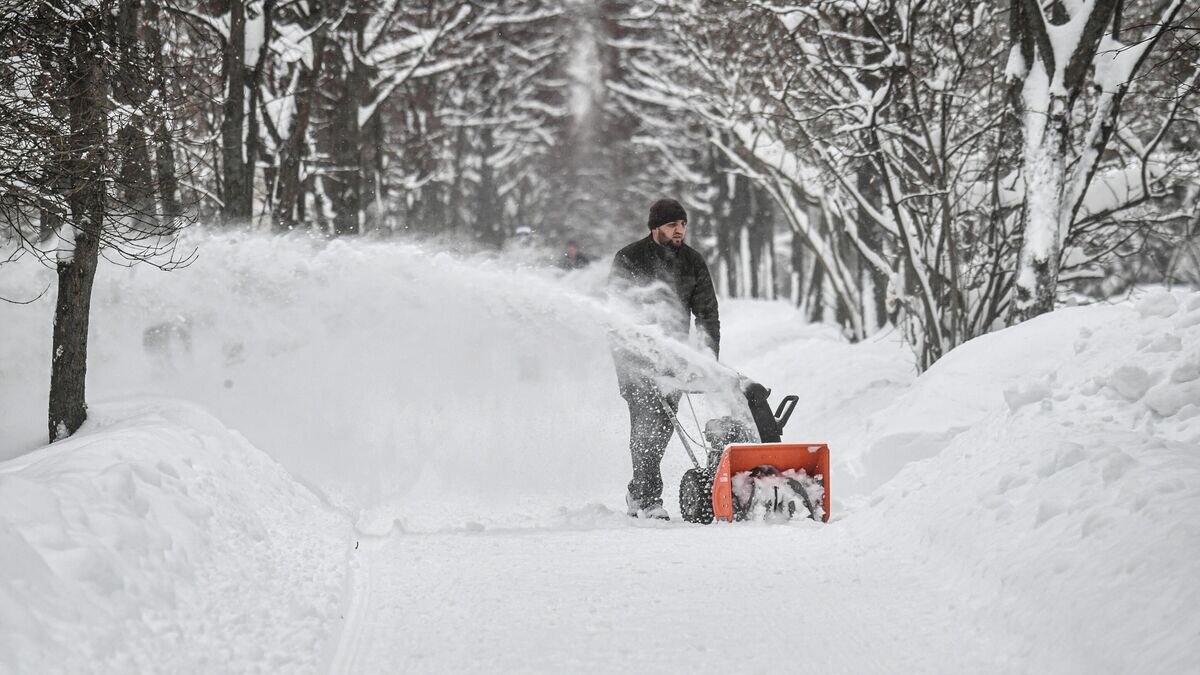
(784, 412)
(683, 437)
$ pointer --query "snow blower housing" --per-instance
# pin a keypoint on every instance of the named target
(744, 479)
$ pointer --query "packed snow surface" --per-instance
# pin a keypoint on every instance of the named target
(428, 471)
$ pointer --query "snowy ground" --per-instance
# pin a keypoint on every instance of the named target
(455, 466)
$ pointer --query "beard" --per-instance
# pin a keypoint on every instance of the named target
(664, 239)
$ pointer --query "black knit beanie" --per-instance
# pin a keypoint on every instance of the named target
(665, 211)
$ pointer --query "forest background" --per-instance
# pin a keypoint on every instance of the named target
(943, 167)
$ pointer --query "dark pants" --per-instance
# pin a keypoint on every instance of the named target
(650, 429)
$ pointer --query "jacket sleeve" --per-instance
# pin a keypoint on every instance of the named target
(703, 304)
(628, 365)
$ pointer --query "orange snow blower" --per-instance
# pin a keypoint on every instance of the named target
(754, 478)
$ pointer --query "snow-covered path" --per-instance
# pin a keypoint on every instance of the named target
(724, 598)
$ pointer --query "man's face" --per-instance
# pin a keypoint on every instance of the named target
(671, 233)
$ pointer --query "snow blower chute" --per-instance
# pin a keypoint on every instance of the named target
(749, 478)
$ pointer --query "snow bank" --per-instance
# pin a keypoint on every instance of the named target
(155, 540)
(980, 377)
(1061, 489)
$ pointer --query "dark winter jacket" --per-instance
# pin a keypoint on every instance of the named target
(686, 289)
(579, 262)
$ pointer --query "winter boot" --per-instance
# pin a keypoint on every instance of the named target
(632, 505)
(634, 509)
(655, 512)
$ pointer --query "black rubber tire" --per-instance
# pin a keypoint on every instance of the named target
(695, 496)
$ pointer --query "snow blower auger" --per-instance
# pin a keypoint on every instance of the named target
(748, 478)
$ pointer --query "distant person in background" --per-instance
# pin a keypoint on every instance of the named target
(525, 249)
(523, 236)
(674, 280)
(573, 259)
(169, 342)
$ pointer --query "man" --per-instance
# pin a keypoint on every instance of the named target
(573, 259)
(672, 279)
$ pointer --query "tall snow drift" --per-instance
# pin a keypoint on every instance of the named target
(1051, 472)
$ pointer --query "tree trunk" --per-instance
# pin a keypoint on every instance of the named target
(487, 221)
(874, 281)
(815, 286)
(290, 187)
(131, 89)
(167, 181)
(134, 177)
(86, 96)
(1044, 170)
(255, 87)
(741, 213)
(724, 222)
(430, 211)
(371, 163)
(797, 265)
(762, 245)
(461, 149)
(1048, 91)
(235, 182)
(346, 182)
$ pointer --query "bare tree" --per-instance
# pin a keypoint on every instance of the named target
(1057, 51)
(77, 72)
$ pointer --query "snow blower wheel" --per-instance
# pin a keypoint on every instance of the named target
(695, 496)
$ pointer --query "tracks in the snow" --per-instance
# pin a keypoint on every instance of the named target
(352, 646)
